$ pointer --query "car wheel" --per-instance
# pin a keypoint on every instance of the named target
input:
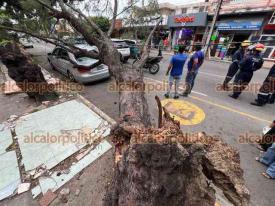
(154, 68)
(121, 58)
(70, 76)
(125, 59)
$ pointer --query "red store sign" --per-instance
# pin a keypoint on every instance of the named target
(184, 19)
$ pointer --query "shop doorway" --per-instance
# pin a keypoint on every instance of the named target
(236, 42)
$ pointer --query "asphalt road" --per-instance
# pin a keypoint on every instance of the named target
(206, 109)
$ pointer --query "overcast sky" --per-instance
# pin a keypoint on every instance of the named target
(123, 3)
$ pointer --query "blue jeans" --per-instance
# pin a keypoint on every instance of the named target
(190, 81)
(269, 160)
(172, 80)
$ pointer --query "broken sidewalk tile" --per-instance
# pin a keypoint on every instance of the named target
(2, 127)
(5, 140)
(10, 175)
(47, 198)
(55, 181)
(41, 134)
(23, 187)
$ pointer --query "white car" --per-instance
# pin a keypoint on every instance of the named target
(80, 69)
(122, 48)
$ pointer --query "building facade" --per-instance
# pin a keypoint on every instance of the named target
(239, 20)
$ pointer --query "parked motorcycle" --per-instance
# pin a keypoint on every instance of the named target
(152, 64)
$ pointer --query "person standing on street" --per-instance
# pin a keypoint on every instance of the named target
(236, 59)
(194, 64)
(267, 91)
(251, 63)
(175, 69)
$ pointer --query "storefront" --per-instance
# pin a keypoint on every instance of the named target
(187, 29)
(268, 39)
(231, 32)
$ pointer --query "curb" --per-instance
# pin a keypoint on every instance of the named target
(97, 110)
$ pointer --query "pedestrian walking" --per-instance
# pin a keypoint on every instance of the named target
(193, 65)
(251, 63)
(175, 69)
(160, 47)
(235, 65)
(267, 91)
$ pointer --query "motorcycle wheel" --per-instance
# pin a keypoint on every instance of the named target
(154, 68)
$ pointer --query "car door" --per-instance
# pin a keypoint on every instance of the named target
(64, 61)
(53, 58)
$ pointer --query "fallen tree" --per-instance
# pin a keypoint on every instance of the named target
(155, 166)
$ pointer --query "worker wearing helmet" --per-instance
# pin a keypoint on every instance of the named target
(234, 66)
(251, 63)
(266, 93)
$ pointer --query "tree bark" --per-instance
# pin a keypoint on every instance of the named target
(162, 166)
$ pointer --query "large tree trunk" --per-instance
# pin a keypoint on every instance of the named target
(162, 167)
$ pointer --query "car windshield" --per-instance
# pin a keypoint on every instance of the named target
(120, 44)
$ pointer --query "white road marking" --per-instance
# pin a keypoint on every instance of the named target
(151, 79)
(210, 74)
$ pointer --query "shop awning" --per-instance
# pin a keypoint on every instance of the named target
(240, 24)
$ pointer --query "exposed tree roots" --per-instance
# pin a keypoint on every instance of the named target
(163, 167)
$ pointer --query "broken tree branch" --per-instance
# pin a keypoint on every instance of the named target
(146, 49)
(55, 41)
(89, 21)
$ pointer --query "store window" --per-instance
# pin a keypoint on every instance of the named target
(201, 9)
(184, 10)
(196, 9)
(269, 42)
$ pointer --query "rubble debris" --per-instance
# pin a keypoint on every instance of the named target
(64, 191)
(23, 187)
(57, 179)
(84, 153)
(77, 192)
(47, 198)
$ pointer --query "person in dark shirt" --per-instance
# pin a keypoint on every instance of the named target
(234, 66)
(267, 91)
(194, 64)
(175, 69)
(251, 63)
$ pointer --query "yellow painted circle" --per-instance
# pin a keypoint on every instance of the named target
(185, 112)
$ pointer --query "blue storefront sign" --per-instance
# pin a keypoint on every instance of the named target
(249, 24)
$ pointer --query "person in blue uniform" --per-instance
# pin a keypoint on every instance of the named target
(266, 93)
(195, 62)
(234, 66)
(251, 63)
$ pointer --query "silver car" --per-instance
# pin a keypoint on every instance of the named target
(82, 69)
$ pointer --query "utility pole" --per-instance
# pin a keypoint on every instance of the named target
(217, 12)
